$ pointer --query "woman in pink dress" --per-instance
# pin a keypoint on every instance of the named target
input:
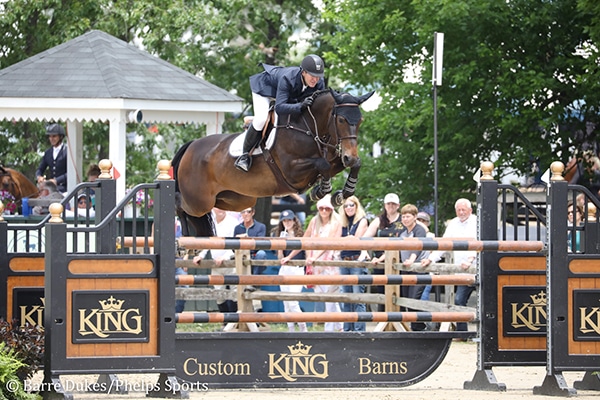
(324, 224)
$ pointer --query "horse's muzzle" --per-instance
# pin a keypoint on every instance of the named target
(349, 161)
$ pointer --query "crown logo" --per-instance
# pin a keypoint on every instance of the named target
(299, 349)
(111, 304)
(539, 299)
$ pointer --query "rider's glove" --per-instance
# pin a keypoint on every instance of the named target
(307, 102)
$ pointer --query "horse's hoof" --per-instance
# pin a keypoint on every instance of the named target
(316, 195)
(337, 199)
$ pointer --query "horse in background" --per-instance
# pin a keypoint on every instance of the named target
(17, 184)
(584, 169)
(308, 150)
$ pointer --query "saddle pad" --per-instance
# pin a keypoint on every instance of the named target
(236, 147)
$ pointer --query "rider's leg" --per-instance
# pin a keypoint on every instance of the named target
(261, 112)
(244, 162)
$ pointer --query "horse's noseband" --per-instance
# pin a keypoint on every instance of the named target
(351, 113)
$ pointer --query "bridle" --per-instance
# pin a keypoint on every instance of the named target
(324, 143)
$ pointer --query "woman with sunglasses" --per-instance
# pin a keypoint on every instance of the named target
(324, 224)
(354, 224)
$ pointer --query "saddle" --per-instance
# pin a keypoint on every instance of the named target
(267, 141)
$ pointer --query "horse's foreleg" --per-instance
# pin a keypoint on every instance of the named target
(337, 199)
(321, 190)
(350, 185)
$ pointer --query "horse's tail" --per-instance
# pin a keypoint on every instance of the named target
(190, 225)
(176, 160)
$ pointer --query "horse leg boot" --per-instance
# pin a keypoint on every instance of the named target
(244, 162)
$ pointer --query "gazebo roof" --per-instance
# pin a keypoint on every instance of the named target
(97, 65)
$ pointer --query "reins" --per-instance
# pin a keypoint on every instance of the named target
(323, 144)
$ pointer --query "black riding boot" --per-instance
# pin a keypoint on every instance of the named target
(244, 162)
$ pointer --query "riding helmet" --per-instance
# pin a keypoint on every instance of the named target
(55, 129)
(314, 65)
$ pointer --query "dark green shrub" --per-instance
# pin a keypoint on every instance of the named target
(27, 345)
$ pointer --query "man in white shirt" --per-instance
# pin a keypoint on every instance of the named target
(225, 225)
(463, 226)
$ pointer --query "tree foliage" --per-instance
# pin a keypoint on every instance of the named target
(519, 80)
(220, 41)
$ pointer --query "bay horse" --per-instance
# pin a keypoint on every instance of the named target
(583, 169)
(308, 150)
(17, 184)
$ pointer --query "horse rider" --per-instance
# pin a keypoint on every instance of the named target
(291, 88)
(55, 159)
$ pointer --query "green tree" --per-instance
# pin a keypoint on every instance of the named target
(221, 41)
(517, 84)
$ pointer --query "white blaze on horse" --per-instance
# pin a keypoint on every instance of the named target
(307, 151)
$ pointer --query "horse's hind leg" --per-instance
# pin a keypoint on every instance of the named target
(196, 226)
(204, 225)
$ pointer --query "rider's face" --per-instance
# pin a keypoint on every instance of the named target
(309, 80)
(54, 140)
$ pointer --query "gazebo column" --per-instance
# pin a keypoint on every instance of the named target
(117, 151)
(75, 154)
(215, 125)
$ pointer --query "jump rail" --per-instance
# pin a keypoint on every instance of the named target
(325, 280)
(346, 244)
(358, 243)
(406, 316)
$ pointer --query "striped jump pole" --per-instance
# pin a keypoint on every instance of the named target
(405, 316)
(308, 243)
(260, 280)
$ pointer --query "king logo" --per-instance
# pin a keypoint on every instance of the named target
(110, 318)
(298, 363)
(531, 315)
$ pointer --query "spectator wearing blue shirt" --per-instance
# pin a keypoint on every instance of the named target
(252, 228)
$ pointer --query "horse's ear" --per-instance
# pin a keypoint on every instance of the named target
(336, 95)
(365, 97)
(3, 170)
